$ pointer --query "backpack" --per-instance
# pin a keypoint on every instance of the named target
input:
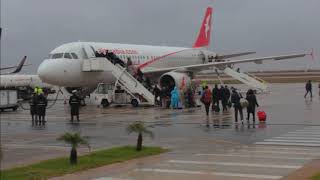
(206, 98)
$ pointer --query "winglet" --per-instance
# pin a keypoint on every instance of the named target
(20, 65)
(203, 39)
(312, 54)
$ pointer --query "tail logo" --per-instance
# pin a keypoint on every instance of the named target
(203, 39)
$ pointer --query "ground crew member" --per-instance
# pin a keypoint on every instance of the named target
(252, 104)
(308, 89)
(33, 108)
(206, 99)
(41, 108)
(74, 102)
(235, 99)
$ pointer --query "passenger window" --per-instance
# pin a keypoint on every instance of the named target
(67, 55)
(57, 55)
(74, 55)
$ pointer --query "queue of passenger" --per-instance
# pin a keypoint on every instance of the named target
(228, 100)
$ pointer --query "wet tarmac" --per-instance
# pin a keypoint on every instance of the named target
(289, 139)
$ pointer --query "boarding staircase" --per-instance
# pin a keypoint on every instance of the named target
(248, 79)
(123, 78)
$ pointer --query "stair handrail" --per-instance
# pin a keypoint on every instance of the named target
(257, 78)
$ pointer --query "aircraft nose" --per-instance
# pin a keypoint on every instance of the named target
(44, 71)
(47, 71)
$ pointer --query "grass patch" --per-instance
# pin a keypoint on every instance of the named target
(60, 166)
(316, 177)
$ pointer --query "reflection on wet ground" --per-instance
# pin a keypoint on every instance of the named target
(184, 131)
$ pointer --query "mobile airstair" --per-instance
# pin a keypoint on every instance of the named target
(123, 79)
(248, 79)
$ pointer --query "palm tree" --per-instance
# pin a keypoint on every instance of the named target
(74, 140)
(140, 128)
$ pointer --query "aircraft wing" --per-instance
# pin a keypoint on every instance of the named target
(201, 67)
(227, 56)
(17, 67)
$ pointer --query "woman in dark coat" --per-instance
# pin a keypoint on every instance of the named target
(252, 104)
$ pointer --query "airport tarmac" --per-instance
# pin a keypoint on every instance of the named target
(286, 142)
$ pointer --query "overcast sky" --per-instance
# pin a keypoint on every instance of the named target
(269, 27)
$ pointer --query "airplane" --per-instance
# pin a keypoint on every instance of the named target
(169, 66)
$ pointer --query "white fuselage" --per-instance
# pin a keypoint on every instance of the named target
(21, 80)
(63, 68)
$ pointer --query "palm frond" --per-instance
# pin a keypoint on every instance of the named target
(73, 139)
(139, 127)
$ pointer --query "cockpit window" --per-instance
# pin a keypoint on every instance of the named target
(74, 56)
(67, 55)
(57, 56)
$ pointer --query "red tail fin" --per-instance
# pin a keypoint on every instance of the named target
(203, 39)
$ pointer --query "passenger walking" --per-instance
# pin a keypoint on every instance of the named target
(130, 66)
(206, 99)
(308, 89)
(219, 96)
(163, 96)
(224, 99)
(33, 108)
(215, 98)
(156, 93)
(252, 104)
(74, 102)
(228, 95)
(190, 98)
(175, 98)
(139, 75)
(235, 99)
(41, 108)
(227, 91)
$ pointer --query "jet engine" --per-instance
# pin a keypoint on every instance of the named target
(171, 79)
